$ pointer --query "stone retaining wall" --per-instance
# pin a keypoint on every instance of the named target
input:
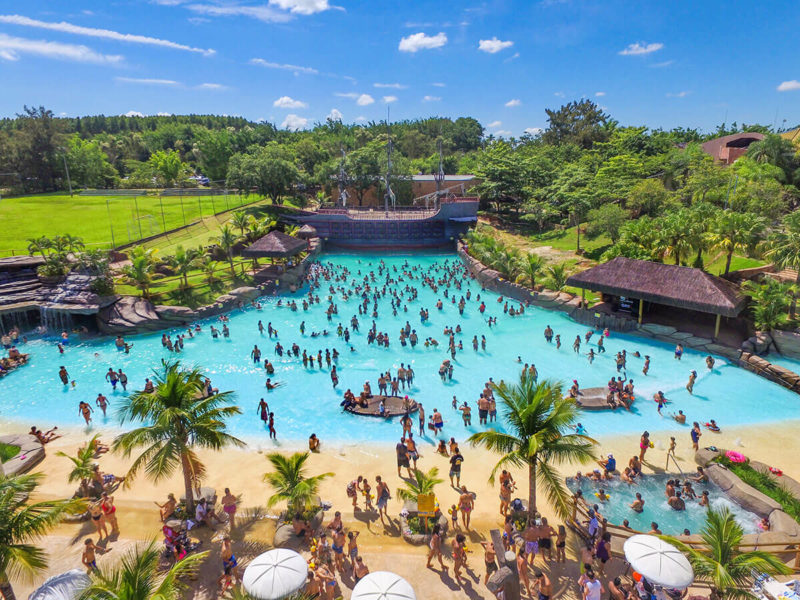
(761, 366)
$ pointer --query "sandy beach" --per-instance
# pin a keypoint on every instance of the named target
(381, 546)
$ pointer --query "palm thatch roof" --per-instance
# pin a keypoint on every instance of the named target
(275, 245)
(672, 285)
(307, 232)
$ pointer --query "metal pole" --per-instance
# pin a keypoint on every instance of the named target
(182, 211)
(213, 208)
(66, 168)
(138, 219)
(163, 220)
(110, 224)
(200, 206)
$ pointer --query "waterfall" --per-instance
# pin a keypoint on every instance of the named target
(16, 319)
(55, 321)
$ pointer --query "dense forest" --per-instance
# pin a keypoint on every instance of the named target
(654, 193)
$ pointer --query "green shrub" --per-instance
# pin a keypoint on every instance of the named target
(764, 484)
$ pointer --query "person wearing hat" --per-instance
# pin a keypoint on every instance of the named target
(609, 464)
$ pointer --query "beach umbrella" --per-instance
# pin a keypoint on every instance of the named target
(275, 574)
(382, 585)
(66, 586)
(658, 562)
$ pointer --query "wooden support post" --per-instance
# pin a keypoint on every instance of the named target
(641, 310)
(583, 297)
(716, 327)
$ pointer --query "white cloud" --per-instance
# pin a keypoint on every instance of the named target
(360, 119)
(599, 94)
(287, 102)
(352, 95)
(389, 99)
(302, 7)
(421, 41)
(365, 100)
(431, 98)
(494, 124)
(146, 81)
(266, 14)
(514, 56)
(559, 94)
(282, 66)
(438, 84)
(502, 132)
(294, 122)
(334, 115)
(661, 65)
(640, 48)
(12, 47)
(789, 86)
(212, 86)
(679, 94)
(390, 86)
(133, 113)
(533, 130)
(164, 114)
(108, 34)
(493, 46)
(514, 102)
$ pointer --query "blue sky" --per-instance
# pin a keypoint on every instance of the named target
(294, 62)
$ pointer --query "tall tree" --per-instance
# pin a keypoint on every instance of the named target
(732, 231)
(538, 437)
(581, 123)
(783, 249)
(168, 166)
(227, 239)
(21, 525)
(292, 483)
(176, 419)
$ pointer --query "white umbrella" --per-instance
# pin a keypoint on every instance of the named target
(66, 586)
(658, 562)
(275, 574)
(383, 585)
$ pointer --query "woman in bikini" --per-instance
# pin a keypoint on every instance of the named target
(465, 505)
(436, 548)
(96, 512)
(109, 511)
(229, 506)
(168, 508)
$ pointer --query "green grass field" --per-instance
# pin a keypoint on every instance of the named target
(95, 218)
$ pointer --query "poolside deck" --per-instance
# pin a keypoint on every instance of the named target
(393, 404)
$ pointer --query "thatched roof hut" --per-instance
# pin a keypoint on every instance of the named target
(275, 245)
(671, 285)
(307, 232)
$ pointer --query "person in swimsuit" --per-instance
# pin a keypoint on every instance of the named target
(561, 543)
(543, 585)
(465, 504)
(531, 537)
(382, 492)
(86, 411)
(352, 549)
(522, 568)
(546, 534)
(229, 506)
(360, 570)
(109, 511)
(96, 513)
(435, 546)
(338, 548)
(167, 509)
(490, 559)
(459, 555)
(230, 566)
(88, 557)
(263, 410)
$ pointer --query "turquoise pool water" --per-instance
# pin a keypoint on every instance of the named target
(651, 487)
(307, 402)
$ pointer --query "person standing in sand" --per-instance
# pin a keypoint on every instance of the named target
(435, 546)
(465, 504)
(229, 507)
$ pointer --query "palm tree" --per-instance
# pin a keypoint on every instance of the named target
(531, 265)
(208, 265)
(506, 261)
(227, 240)
(21, 524)
(177, 418)
(82, 467)
(60, 245)
(184, 261)
(139, 577)
(720, 563)
(732, 231)
(140, 271)
(73, 243)
(676, 237)
(557, 276)
(291, 483)
(240, 220)
(783, 248)
(423, 483)
(769, 301)
(291, 230)
(39, 245)
(539, 436)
